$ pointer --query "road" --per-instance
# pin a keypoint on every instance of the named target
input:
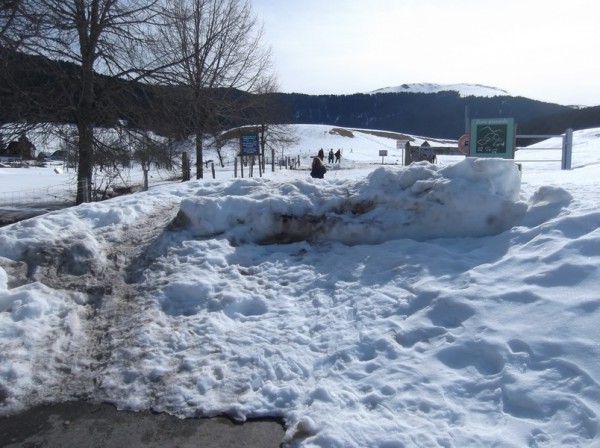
(81, 424)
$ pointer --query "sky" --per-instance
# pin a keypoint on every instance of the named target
(546, 51)
(446, 305)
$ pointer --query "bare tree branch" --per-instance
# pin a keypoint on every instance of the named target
(101, 37)
(210, 46)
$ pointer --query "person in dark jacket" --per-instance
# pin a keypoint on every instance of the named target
(338, 156)
(321, 154)
(318, 169)
(330, 157)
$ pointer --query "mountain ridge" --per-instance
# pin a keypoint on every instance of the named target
(463, 89)
(42, 91)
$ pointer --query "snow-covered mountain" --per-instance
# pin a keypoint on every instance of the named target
(462, 89)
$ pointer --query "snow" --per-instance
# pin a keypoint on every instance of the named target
(445, 305)
(463, 89)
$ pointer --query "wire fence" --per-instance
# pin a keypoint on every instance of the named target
(55, 194)
(64, 195)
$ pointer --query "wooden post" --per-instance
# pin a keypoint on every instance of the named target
(185, 167)
(260, 166)
(407, 157)
(567, 150)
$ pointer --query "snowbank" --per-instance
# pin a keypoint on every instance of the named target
(475, 197)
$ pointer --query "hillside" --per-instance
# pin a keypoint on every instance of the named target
(45, 91)
(462, 89)
(588, 117)
(440, 114)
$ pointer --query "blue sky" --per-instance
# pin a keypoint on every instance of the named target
(543, 50)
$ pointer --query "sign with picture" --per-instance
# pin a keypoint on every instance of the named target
(494, 137)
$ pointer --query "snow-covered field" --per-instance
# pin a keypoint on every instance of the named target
(363, 147)
(445, 305)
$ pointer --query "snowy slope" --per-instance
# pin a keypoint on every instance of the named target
(462, 89)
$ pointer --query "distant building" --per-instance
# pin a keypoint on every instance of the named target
(19, 149)
(61, 155)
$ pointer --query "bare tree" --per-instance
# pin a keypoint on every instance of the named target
(18, 22)
(268, 112)
(213, 47)
(149, 149)
(99, 36)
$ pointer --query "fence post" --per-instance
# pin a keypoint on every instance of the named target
(567, 150)
(185, 167)
(407, 158)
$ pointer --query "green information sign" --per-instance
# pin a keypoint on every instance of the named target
(494, 137)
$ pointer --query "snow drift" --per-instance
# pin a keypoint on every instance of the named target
(475, 197)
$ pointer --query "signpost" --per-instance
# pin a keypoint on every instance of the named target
(493, 137)
(249, 147)
(383, 153)
(404, 145)
(249, 144)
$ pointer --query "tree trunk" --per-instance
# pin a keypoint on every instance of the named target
(262, 146)
(85, 165)
(85, 127)
(220, 155)
(145, 170)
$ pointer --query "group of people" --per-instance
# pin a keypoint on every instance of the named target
(318, 168)
(337, 155)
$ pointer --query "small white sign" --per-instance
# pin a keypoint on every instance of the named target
(401, 144)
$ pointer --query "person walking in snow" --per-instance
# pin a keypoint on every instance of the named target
(330, 157)
(338, 156)
(318, 169)
(321, 154)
